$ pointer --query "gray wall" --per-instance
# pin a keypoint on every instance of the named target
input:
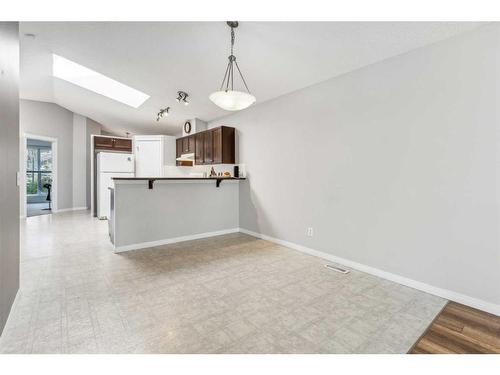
(9, 154)
(79, 161)
(92, 128)
(51, 120)
(393, 165)
(73, 133)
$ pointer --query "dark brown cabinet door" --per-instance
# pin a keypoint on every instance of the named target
(185, 145)
(228, 145)
(103, 143)
(122, 144)
(199, 148)
(188, 144)
(178, 150)
(191, 144)
(208, 147)
(178, 147)
(217, 146)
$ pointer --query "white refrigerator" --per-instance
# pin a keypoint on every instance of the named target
(109, 165)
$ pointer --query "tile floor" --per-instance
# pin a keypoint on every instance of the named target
(35, 209)
(226, 294)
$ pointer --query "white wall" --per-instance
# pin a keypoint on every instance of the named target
(79, 161)
(393, 165)
(51, 120)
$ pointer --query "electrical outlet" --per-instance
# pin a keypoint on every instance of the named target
(310, 232)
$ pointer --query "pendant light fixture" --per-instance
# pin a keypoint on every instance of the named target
(227, 98)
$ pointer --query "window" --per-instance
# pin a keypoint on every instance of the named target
(38, 169)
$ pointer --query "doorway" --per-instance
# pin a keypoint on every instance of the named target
(39, 175)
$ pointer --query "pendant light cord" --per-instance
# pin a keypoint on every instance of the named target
(232, 39)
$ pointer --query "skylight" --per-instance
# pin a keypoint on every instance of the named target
(91, 80)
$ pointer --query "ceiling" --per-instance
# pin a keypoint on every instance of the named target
(160, 58)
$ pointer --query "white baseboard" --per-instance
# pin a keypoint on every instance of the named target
(62, 210)
(142, 245)
(69, 209)
(444, 293)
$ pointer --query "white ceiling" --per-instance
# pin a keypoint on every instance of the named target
(160, 58)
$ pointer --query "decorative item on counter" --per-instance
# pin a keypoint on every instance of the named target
(227, 174)
(242, 172)
(212, 172)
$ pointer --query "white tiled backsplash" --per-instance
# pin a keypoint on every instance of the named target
(201, 170)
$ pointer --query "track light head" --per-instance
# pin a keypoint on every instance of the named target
(182, 97)
(163, 113)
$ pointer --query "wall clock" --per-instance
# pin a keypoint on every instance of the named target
(187, 127)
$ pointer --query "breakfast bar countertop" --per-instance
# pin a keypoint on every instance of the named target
(178, 178)
(151, 180)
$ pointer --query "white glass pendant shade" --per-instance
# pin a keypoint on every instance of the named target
(232, 100)
(227, 98)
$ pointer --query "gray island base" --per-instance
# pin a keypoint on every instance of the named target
(147, 213)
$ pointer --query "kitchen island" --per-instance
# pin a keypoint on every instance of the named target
(151, 211)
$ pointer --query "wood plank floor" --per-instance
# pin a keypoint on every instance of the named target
(460, 329)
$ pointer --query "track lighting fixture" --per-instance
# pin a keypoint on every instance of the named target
(163, 113)
(182, 97)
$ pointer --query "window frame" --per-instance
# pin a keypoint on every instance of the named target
(38, 170)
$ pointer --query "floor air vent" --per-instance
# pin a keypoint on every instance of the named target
(337, 269)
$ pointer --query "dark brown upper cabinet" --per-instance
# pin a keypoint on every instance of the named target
(103, 143)
(122, 144)
(191, 144)
(213, 146)
(199, 148)
(208, 147)
(112, 144)
(217, 146)
(224, 145)
(178, 147)
(188, 144)
(178, 150)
